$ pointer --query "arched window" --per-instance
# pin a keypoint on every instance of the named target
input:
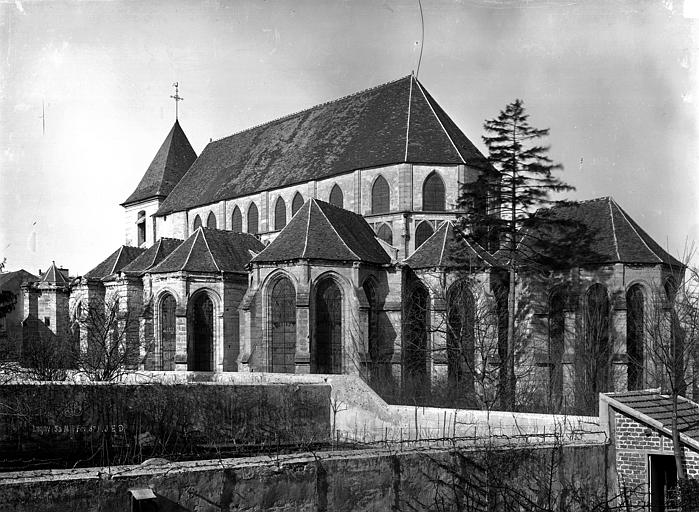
(461, 344)
(380, 196)
(634, 337)
(237, 221)
(252, 219)
(283, 327)
(415, 347)
(433, 193)
(197, 222)
(336, 197)
(326, 352)
(373, 320)
(557, 302)
(141, 227)
(296, 204)
(201, 341)
(597, 351)
(423, 232)
(280, 214)
(211, 221)
(167, 332)
(385, 233)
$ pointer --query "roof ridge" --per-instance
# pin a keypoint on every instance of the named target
(116, 260)
(444, 242)
(191, 248)
(309, 109)
(463, 160)
(611, 218)
(407, 127)
(308, 224)
(612, 201)
(213, 258)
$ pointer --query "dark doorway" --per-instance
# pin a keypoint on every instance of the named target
(663, 481)
(283, 327)
(167, 333)
(327, 347)
(202, 324)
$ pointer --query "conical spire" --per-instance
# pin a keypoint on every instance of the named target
(171, 162)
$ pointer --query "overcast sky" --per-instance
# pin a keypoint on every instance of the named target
(614, 80)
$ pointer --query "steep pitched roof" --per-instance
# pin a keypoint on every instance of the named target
(55, 275)
(153, 255)
(12, 280)
(211, 250)
(655, 409)
(611, 234)
(321, 231)
(449, 248)
(115, 262)
(392, 123)
(171, 162)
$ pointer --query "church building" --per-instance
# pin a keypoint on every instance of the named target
(328, 241)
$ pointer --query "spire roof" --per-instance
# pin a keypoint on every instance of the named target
(171, 162)
(55, 275)
(212, 251)
(393, 123)
(321, 231)
(449, 248)
(115, 262)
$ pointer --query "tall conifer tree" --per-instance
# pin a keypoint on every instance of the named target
(502, 202)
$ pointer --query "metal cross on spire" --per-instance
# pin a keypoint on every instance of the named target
(177, 98)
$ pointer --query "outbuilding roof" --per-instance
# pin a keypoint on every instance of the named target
(321, 231)
(211, 251)
(171, 162)
(448, 247)
(392, 123)
(655, 410)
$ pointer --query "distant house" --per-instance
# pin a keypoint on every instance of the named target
(11, 322)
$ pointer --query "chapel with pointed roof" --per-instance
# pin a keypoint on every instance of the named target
(329, 241)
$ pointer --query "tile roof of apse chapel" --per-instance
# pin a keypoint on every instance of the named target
(613, 236)
(115, 262)
(321, 231)
(448, 247)
(170, 163)
(153, 255)
(211, 251)
(392, 123)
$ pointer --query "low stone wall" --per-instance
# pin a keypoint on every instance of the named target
(57, 425)
(331, 481)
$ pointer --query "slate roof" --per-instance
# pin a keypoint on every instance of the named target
(655, 409)
(613, 236)
(392, 123)
(55, 275)
(449, 248)
(321, 231)
(11, 281)
(115, 262)
(171, 162)
(212, 251)
(153, 255)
